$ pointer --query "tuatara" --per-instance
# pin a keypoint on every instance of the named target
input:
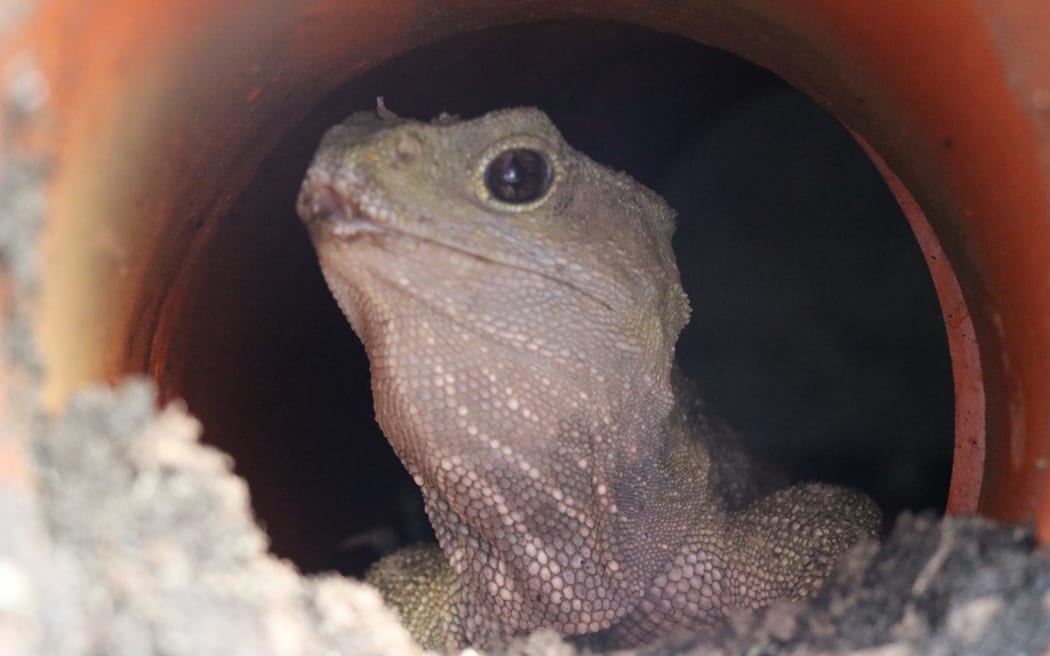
(520, 304)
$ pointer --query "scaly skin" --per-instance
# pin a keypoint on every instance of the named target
(520, 304)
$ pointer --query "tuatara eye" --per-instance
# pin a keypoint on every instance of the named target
(518, 176)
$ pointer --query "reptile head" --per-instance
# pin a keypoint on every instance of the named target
(519, 304)
(507, 189)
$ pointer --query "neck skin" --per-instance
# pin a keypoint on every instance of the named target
(562, 516)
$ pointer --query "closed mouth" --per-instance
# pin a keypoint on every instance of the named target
(342, 215)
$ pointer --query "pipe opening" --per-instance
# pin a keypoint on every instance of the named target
(816, 330)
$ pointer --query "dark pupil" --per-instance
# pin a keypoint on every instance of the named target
(518, 175)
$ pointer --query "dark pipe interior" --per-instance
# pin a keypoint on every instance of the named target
(815, 329)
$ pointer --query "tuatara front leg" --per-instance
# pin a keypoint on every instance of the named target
(519, 305)
(433, 601)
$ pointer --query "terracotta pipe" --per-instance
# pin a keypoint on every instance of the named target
(968, 461)
(153, 116)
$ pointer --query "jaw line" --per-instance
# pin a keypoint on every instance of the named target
(346, 219)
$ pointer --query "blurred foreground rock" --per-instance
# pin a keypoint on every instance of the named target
(126, 536)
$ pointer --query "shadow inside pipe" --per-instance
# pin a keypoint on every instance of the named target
(815, 329)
